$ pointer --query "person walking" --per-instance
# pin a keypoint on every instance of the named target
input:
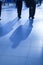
(19, 7)
(32, 8)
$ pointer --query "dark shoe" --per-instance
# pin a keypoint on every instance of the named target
(19, 17)
(0, 18)
(29, 17)
(32, 17)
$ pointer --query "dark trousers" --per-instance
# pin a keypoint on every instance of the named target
(19, 7)
(32, 11)
(19, 11)
(40, 1)
(32, 8)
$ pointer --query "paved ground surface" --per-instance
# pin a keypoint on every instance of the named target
(21, 41)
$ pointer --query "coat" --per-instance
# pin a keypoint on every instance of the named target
(30, 3)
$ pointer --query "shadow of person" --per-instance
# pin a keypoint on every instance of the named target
(21, 33)
(7, 27)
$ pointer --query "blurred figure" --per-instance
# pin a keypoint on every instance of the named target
(31, 4)
(19, 7)
(0, 8)
(32, 8)
(40, 2)
(27, 3)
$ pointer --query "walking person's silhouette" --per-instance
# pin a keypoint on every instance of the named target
(19, 7)
(31, 4)
(32, 8)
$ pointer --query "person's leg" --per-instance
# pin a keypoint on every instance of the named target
(40, 1)
(19, 10)
(19, 13)
(33, 11)
(29, 12)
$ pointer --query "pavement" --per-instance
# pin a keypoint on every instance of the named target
(21, 41)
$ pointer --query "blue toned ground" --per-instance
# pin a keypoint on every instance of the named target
(21, 41)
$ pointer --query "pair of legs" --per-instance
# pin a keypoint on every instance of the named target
(32, 11)
(19, 8)
(40, 1)
(19, 12)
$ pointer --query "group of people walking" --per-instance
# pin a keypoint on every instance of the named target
(29, 3)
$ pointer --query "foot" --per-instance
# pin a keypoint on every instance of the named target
(19, 17)
(31, 17)
(0, 18)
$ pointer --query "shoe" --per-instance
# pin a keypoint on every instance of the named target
(29, 17)
(0, 18)
(32, 17)
(19, 17)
